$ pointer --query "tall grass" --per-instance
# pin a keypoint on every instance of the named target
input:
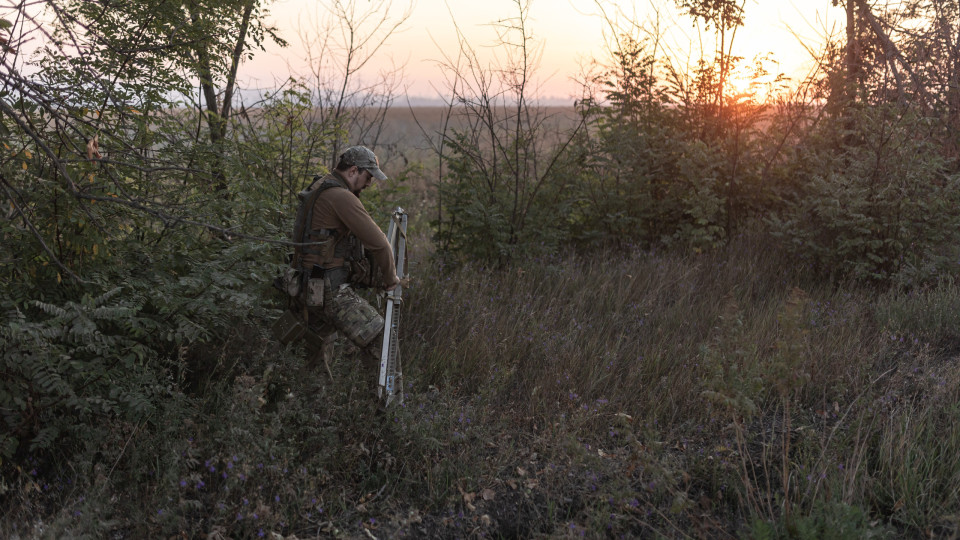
(634, 330)
(719, 395)
(791, 407)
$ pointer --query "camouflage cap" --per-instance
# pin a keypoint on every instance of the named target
(363, 157)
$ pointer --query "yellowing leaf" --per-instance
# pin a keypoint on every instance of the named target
(24, 165)
(95, 249)
(28, 154)
(58, 277)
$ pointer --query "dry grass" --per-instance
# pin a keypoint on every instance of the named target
(618, 395)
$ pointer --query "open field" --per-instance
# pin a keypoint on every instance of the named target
(412, 134)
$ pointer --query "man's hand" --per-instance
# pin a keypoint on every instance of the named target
(396, 281)
(405, 282)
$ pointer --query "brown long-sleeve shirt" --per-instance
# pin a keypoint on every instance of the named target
(340, 209)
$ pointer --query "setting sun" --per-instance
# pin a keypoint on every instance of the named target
(748, 84)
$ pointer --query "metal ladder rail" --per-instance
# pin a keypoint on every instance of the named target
(390, 386)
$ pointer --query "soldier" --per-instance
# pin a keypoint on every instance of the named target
(341, 247)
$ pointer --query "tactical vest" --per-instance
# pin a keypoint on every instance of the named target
(335, 249)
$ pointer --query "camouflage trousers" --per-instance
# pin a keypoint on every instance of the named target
(353, 316)
(344, 311)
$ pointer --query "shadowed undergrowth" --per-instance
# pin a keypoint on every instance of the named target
(715, 395)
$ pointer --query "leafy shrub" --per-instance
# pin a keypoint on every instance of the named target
(829, 520)
(68, 363)
(491, 221)
(880, 210)
(658, 168)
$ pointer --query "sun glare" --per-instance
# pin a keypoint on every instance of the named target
(749, 87)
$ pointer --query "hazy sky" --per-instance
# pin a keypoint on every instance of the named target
(571, 30)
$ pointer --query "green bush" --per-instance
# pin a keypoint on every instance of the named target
(504, 208)
(879, 210)
(657, 169)
(827, 521)
(70, 363)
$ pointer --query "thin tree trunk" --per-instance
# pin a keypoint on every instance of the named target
(892, 54)
(852, 60)
(234, 66)
(218, 113)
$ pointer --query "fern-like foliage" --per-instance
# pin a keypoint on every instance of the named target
(65, 365)
(68, 364)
